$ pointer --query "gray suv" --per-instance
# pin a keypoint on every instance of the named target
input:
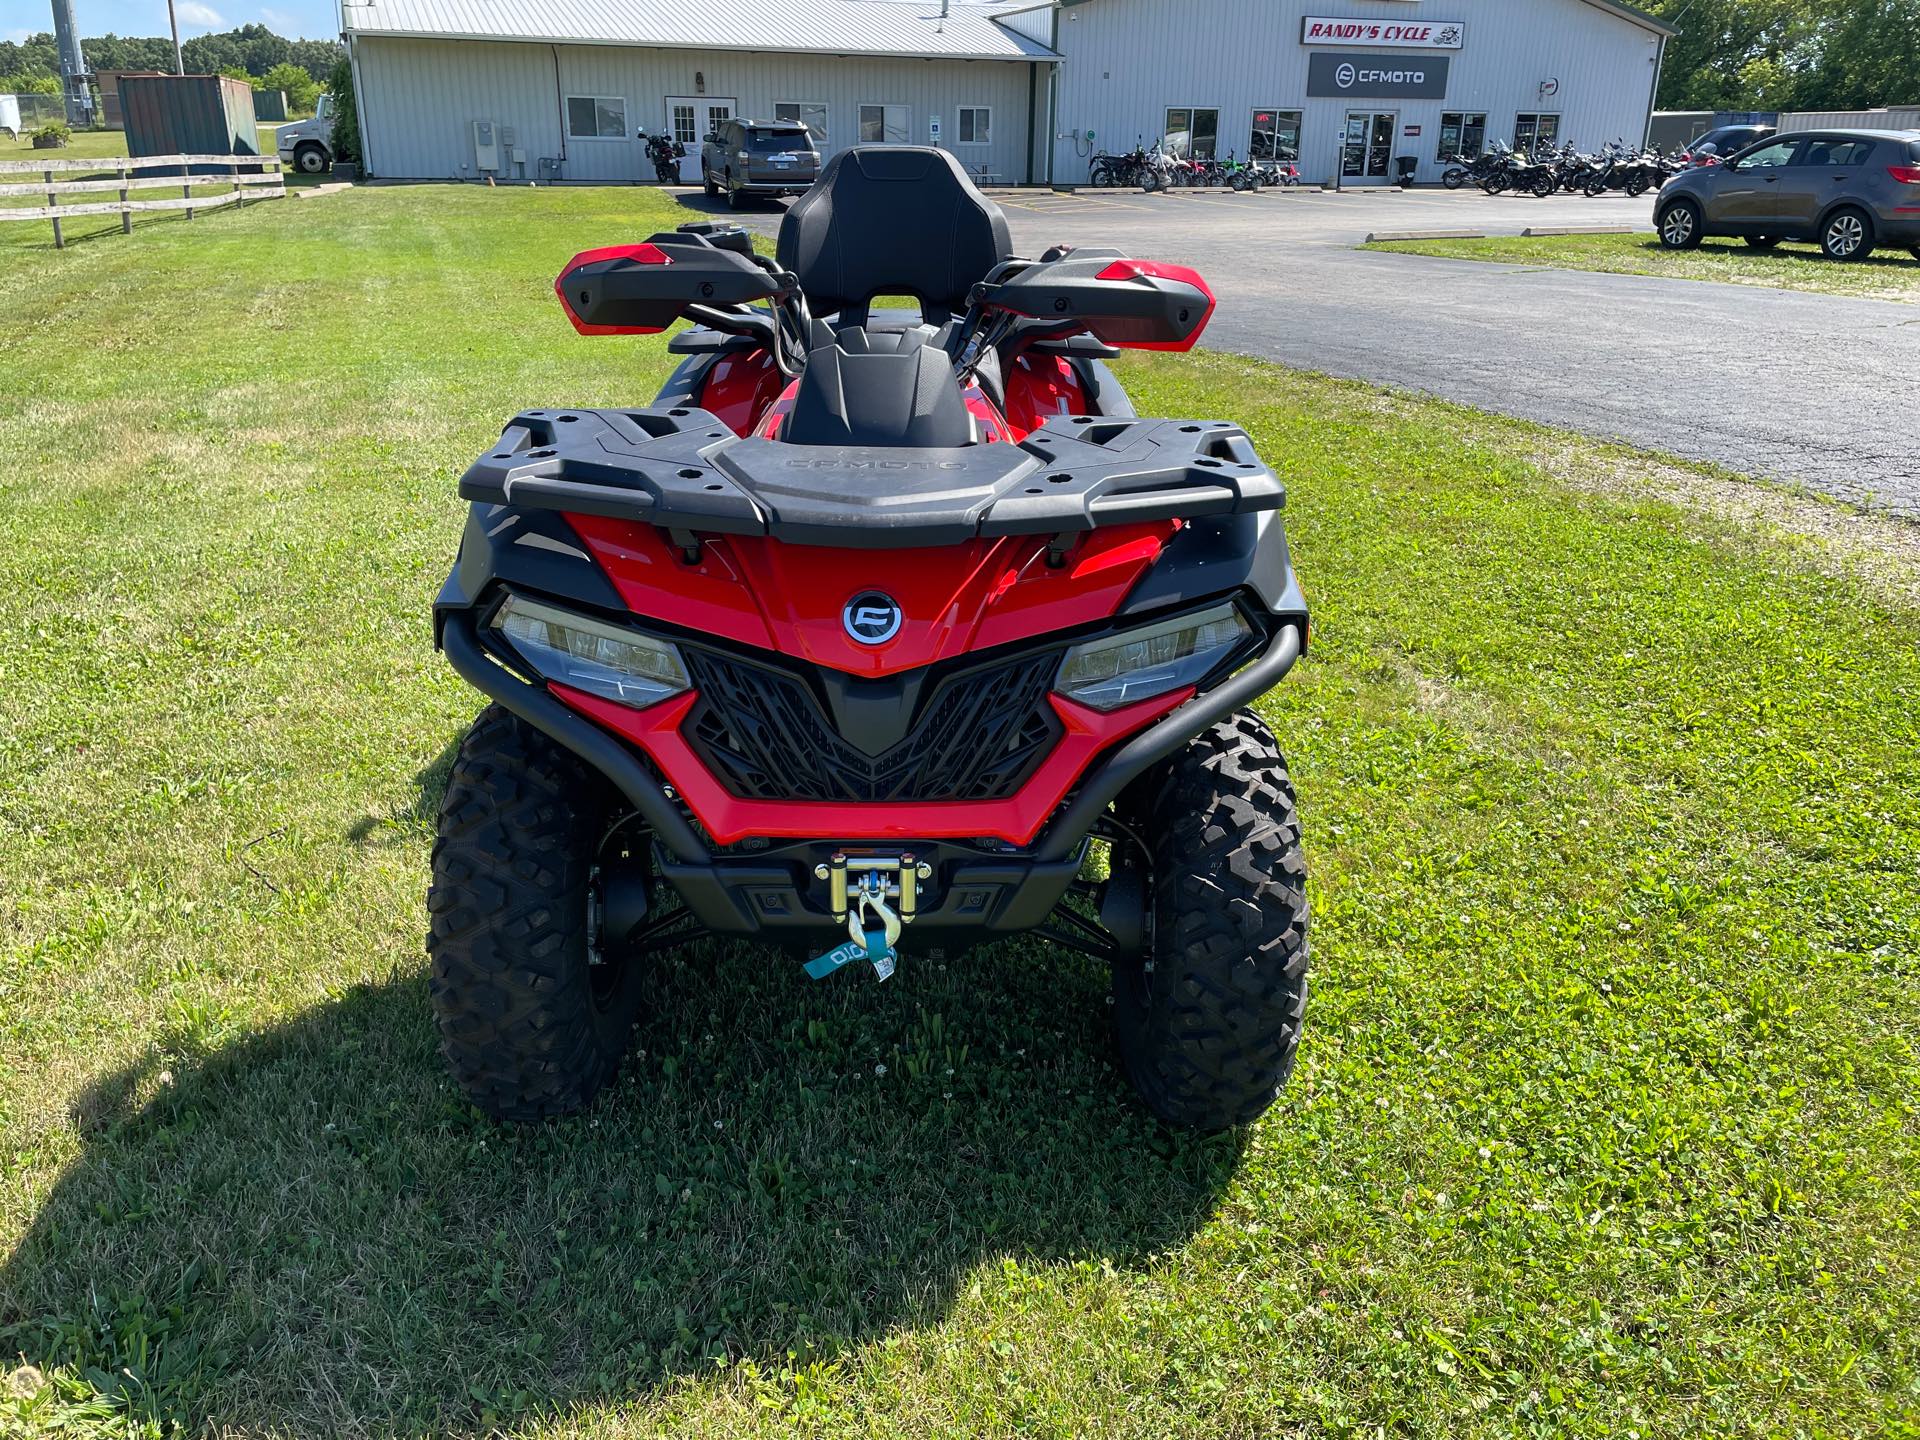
(758, 157)
(1845, 190)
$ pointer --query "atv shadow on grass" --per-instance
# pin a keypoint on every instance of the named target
(305, 1230)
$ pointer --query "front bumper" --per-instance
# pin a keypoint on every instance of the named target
(974, 887)
(970, 894)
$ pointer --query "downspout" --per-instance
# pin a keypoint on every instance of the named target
(1053, 87)
(560, 106)
(1033, 107)
(1653, 97)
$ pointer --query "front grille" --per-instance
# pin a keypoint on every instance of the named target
(765, 735)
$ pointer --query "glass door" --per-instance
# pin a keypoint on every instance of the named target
(690, 119)
(1367, 150)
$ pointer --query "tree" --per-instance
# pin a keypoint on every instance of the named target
(346, 115)
(300, 87)
(1790, 54)
(1869, 54)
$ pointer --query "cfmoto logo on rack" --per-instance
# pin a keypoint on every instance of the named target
(871, 618)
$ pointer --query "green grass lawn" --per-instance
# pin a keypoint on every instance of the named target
(1605, 1122)
(1887, 274)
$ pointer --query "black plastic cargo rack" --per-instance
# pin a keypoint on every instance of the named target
(683, 470)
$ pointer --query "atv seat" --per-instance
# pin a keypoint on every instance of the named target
(892, 220)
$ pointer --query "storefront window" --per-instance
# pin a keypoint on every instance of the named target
(1193, 133)
(1529, 130)
(1463, 135)
(1276, 135)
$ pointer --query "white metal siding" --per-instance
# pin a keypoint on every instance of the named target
(1126, 61)
(1898, 118)
(418, 99)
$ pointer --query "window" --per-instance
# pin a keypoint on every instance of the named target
(1837, 152)
(1193, 133)
(1276, 135)
(976, 125)
(766, 140)
(1530, 129)
(1767, 157)
(683, 130)
(596, 117)
(883, 125)
(1463, 135)
(810, 113)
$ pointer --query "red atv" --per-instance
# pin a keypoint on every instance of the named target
(875, 627)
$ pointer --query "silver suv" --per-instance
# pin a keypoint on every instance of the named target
(1845, 190)
(758, 157)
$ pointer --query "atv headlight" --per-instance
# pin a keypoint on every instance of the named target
(591, 655)
(1135, 665)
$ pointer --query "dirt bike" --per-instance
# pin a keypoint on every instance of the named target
(875, 632)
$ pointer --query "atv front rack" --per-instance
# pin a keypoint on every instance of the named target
(684, 471)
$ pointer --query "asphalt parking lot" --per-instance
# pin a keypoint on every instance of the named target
(1784, 384)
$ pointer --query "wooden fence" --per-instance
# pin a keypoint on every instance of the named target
(250, 175)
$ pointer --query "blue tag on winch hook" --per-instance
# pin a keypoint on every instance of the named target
(875, 950)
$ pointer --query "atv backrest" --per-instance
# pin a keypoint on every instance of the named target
(892, 220)
(642, 289)
(1137, 304)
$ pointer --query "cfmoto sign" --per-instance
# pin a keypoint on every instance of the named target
(1378, 77)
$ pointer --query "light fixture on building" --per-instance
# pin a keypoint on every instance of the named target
(699, 82)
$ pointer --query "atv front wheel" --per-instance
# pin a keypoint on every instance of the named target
(532, 1023)
(1208, 1017)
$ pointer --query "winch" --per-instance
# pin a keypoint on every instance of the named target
(876, 897)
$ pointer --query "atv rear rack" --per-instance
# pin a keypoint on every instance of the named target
(684, 471)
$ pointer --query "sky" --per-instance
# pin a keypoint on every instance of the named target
(295, 19)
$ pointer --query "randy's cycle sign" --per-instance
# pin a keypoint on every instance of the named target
(1383, 34)
(1376, 77)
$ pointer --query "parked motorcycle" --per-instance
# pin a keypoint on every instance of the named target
(1104, 170)
(666, 155)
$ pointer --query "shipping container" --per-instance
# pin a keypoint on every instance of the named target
(108, 82)
(188, 115)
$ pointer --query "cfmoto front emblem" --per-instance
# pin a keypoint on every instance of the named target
(871, 618)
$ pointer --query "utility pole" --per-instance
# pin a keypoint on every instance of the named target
(75, 93)
(179, 65)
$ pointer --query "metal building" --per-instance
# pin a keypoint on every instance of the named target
(1022, 91)
(1348, 86)
(460, 89)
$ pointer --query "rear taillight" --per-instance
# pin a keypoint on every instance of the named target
(1905, 174)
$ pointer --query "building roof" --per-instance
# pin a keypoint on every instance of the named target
(912, 28)
(1625, 12)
